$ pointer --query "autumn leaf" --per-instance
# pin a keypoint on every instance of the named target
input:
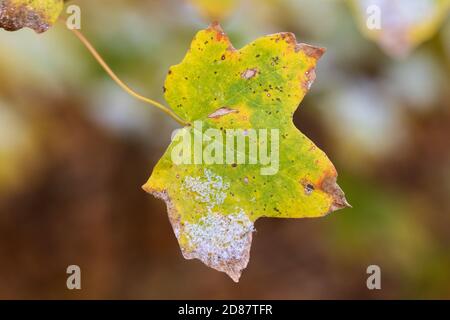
(213, 207)
(38, 15)
(398, 26)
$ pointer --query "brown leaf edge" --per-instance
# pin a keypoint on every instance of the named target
(14, 18)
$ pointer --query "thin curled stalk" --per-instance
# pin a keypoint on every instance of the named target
(127, 89)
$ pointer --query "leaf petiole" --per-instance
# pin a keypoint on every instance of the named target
(127, 89)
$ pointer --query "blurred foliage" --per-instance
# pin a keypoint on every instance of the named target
(215, 10)
(74, 151)
(398, 26)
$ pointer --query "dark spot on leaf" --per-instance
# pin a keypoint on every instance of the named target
(309, 188)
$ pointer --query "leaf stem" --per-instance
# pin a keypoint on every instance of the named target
(127, 89)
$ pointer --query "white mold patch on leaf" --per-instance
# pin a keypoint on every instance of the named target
(221, 241)
(209, 188)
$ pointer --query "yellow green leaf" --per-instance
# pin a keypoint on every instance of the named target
(38, 15)
(398, 26)
(214, 198)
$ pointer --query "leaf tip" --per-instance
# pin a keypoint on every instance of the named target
(330, 186)
(220, 33)
(311, 51)
(221, 242)
(215, 25)
(146, 188)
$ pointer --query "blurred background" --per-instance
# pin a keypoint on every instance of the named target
(75, 150)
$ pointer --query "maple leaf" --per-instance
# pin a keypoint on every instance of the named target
(38, 15)
(398, 26)
(250, 92)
